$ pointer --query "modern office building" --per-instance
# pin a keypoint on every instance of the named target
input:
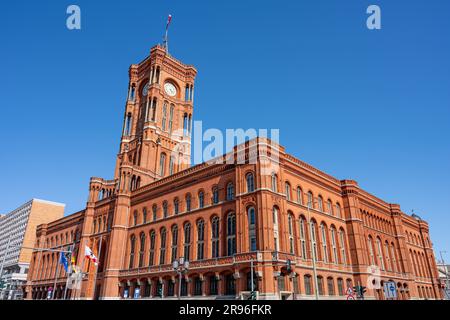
(17, 238)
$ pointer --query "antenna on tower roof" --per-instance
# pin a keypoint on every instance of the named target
(166, 39)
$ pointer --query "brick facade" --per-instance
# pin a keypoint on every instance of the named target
(223, 216)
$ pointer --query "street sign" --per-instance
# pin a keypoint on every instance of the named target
(390, 290)
(350, 294)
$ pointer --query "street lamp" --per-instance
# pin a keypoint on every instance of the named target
(180, 266)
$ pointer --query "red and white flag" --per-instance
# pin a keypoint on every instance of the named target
(169, 18)
(90, 255)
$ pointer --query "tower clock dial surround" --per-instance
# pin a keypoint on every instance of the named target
(170, 89)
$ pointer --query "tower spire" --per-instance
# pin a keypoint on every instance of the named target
(166, 39)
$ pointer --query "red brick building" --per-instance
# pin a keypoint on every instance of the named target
(305, 231)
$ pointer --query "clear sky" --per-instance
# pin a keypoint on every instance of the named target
(373, 106)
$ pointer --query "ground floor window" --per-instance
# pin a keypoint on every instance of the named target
(183, 287)
(198, 286)
(170, 288)
(159, 289)
(147, 290)
(230, 285)
(340, 284)
(213, 285)
(307, 280)
(281, 284)
(249, 281)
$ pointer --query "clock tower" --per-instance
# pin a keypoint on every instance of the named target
(156, 136)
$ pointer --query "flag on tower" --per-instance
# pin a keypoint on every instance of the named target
(169, 18)
(90, 255)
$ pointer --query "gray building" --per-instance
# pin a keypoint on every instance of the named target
(17, 237)
(444, 276)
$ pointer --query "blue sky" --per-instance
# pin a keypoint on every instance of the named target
(373, 106)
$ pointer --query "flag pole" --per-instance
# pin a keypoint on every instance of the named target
(67, 273)
(82, 271)
(56, 275)
(96, 267)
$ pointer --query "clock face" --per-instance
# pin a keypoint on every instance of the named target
(145, 90)
(170, 89)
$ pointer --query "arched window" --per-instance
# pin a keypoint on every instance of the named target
(155, 102)
(388, 258)
(164, 116)
(230, 191)
(329, 207)
(342, 246)
(200, 239)
(135, 218)
(151, 256)
(132, 94)
(174, 243)
(94, 227)
(334, 245)
(330, 283)
(141, 250)
(395, 267)
(310, 200)
(274, 182)
(371, 255)
(154, 211)
(187, 241)
(380, 253)
(320, 285)
(171, 117)
(313, 239)
(275, 228)
(201, 199)
(185, 124)
(215, 195)
(250, 182)
(340, 283)
(287, 190)
(144, 215)
(162, 164)
(323, 231)
(127, 129)
(291, 232)
(188, 202)
(132, 248)
(171, 164)
(157, 74)
(299, 195)
(215, 237)
(176, 206)
(303, 237)
(165, 209)
(231, 234)
(308, 286)
(252, 228)
(320, 203)
(338, 210)
(162, 252)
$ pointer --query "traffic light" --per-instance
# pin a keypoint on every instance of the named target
(360, 290)
(288, 266)
(159, 291)
(252, 295)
